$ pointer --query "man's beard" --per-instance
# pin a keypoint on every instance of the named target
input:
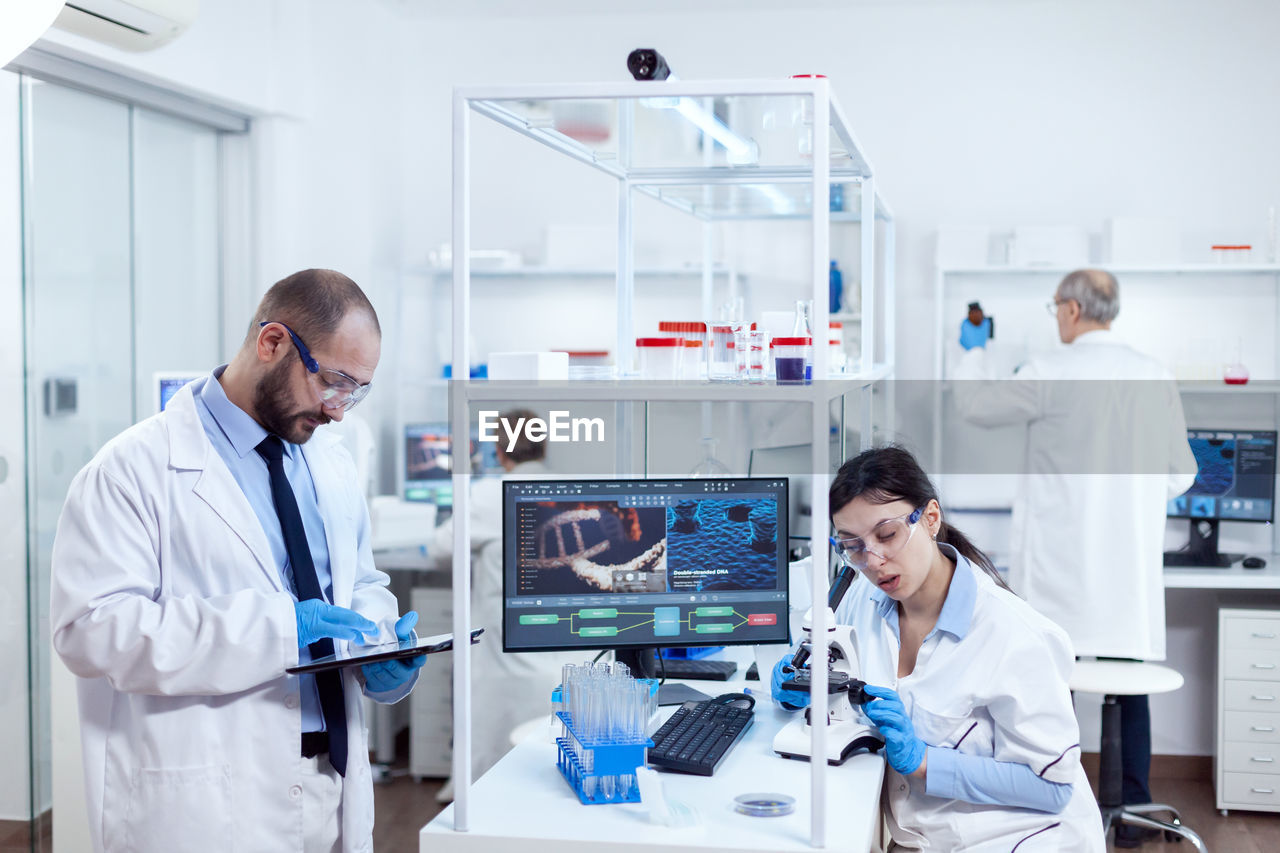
(270, 400)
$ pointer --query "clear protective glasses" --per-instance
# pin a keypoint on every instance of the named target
(886, 540)
(337, 389)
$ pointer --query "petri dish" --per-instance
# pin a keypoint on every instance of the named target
(764, 805)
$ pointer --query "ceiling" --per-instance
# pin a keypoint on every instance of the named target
(552, 8)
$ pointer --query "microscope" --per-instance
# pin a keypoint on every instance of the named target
(848, 729)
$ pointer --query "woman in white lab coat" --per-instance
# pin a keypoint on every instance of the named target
(970, 682)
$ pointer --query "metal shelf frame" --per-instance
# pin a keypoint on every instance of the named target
(843, 163)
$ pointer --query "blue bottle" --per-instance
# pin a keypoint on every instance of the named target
(836, 289)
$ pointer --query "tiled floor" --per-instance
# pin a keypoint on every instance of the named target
(1240, 832)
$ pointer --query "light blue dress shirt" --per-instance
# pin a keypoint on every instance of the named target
(953, 775)
(235, 435)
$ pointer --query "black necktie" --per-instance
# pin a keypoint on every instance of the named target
(329, 682)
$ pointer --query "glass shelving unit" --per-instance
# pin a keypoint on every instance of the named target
(716, 151)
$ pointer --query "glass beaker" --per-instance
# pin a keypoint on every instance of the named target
(803, 326)
(742, 354)
(722, 365)
(755, 357)
(1236, 373)
(659, 357)
(710, 466)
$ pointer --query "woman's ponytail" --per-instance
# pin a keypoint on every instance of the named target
(952, 536)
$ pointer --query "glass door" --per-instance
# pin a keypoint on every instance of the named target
(121, 280)
(79, 354)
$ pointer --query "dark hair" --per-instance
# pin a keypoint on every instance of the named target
(890, 473)
(524, 450)
(313, 303)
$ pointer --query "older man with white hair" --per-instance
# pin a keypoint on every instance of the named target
(1106, 448)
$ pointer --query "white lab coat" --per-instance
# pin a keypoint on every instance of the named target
(506, 689)
(999, 692)
(167, 604)
(1102, 460)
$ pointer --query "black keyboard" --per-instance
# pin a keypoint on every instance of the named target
(699, 670)
(698, 736)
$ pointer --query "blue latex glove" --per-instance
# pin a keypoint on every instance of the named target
(787, 698)
(975, 336)
(318, 619)
(904, 749)
(387, 675)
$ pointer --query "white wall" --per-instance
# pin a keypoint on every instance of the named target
(995, 113)
(989, 113)
(325, 80)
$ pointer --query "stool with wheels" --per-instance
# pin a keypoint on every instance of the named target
(1127, 678)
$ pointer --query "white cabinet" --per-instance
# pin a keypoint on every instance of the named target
(431, 709)
(1247, 763)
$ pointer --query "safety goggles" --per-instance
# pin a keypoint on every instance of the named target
(886, 540)
(337, 389)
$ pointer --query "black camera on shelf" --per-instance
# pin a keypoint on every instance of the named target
(645, 63)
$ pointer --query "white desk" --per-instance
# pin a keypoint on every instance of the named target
(524, 805)
(1235, 577)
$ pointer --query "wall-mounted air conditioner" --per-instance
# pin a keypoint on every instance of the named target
(128, 24)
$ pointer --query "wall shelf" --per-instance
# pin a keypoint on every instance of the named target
(1176, 269)
(570, 272)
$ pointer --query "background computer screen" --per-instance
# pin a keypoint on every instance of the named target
(166, 384)
(428, 465)
(1236, 476)
(639, 563)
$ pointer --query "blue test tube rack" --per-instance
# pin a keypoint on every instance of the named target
(609, 758)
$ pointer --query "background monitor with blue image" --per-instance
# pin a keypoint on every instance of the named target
(166, 383)
(1235, 481)
(1235, 476)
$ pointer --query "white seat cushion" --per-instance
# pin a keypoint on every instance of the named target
(1123, 678)
(528, 728)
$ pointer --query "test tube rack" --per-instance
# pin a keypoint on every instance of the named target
(608, 758)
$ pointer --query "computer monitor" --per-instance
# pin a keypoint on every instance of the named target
(633, 565)
(1235, 481)
(428, 463)
(166, 383)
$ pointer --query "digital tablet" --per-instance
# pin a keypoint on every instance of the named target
(360, 655)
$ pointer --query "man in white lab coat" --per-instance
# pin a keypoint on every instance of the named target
(1106, 448)
(506, 688)
(199, 554)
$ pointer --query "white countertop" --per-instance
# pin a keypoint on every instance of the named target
(1235, 577)
(523, 804)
